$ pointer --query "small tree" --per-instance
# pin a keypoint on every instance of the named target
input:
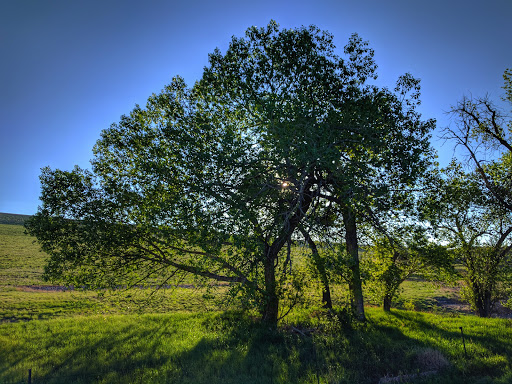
(465, 217)
(396, 255)
(320, 269)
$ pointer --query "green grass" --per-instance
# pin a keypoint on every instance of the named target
(21, 296)
(231, 348)
(21, 263)
(176, 336)
(425, 295)
(22, 304)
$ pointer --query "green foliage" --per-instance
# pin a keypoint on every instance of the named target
(25, 296)
(467, 218)
(485, 132)
(214, 180)
(389, 261)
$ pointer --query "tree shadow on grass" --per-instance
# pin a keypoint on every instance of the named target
(246, 351)
(249, 352)
(475, 351)
(231, 348)
(110, 353)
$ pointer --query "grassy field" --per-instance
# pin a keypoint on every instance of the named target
(21, 263)
(176, 336)
(231, 348)
(25, 296)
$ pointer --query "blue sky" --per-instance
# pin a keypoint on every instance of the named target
(69, 69)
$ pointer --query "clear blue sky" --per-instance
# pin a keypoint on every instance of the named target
(70, 68)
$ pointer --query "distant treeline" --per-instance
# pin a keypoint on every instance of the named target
(12, 218)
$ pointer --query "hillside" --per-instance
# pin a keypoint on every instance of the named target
(13, 218)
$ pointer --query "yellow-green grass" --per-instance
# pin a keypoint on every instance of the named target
(25, 296)
(232, 348)
(22, 265)
(21, 262)
(175, 336)
(427, 296)
(32, 304)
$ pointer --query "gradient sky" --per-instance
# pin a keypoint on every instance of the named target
(70, 68)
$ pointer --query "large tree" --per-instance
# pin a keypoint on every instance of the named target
(214, 180)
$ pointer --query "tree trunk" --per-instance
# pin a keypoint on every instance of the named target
(271, 309)
(392, 280)
(320, 268)
(355, 285)
(387, 302)
(302, 203)
(326, 296)
(483, 300)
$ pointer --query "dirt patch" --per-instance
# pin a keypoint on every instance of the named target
(455, 305)
(47, 288)
(63, 288)
(501, 312)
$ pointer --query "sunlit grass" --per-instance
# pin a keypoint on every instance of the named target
(21, 263)
(176, 336)
(424, 295)
(21, 304)
(231, 348)
(21, 296)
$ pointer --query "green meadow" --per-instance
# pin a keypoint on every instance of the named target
(187, 335)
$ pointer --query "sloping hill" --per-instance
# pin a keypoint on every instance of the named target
(13, 218)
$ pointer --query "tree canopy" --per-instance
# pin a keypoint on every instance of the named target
(484, 131)
(218, 179)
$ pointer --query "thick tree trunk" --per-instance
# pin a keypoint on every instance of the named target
(387, 302)
(349, 219)
(271, 309)
(483, 300)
